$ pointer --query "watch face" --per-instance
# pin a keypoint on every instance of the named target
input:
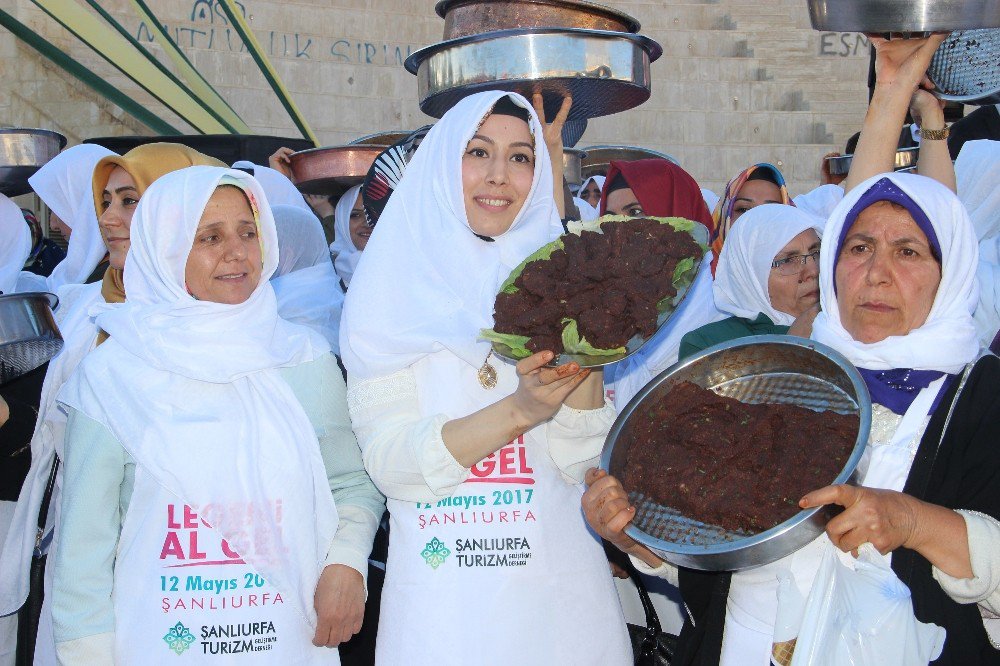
(386, 172)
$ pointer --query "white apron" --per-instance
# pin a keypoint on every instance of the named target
(753, 603)
(182, 594)
(505, 570)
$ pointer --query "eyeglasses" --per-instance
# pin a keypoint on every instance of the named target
(793, 264)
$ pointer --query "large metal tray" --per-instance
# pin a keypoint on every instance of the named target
(700, 233)
(906, 160)
(966, 67)
(914, 16)
(573, 165)
(605, 72)
(28, 333)
(470, 17)
(760, 369)
(24, 151)
(332, 170)
(599, 158)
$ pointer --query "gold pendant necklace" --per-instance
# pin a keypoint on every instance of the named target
(487, 374)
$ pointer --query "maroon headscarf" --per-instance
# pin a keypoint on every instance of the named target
(662, 188)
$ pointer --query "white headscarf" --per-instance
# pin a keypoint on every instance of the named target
(600, 187)
(820, 201)
(587, 212)
(279, 189)
(15, 244)
(345, 255)
(428, 283)
(947, 340)
(741, 277)
(217, 364)
(64, 183)
(307, 287)
(977, 173)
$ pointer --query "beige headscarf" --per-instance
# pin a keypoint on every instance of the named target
(145, 164)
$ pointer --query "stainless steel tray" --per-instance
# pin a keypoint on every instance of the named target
(605, 72)
(28, 333)
(966, 67)
(914, 16)
(700, 233)
(23, 152)
(599, 158)
(573, 165)
(906, 159)
(760, 369)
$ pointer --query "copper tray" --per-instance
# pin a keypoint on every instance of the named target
(332, 170)
(472, 17)
(384, 139)
(599, 158)
(605, 72)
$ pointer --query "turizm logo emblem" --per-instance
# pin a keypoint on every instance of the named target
(179, 638)
(435, 553)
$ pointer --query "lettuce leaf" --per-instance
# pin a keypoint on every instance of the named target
(542, 253)
(574, 344)
(516, 343)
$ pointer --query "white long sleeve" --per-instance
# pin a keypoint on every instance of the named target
(405, 454)
(984, 552)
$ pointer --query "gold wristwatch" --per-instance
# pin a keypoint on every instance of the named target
(933, 135)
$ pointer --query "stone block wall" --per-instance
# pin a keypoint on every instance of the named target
(739, 81)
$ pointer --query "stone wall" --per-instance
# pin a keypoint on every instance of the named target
(739, 81)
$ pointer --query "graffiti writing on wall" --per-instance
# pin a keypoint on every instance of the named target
(209, 28)
(843, 44)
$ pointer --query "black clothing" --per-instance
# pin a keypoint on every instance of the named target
(22, 395)
(963, 474)
(47, 258)
(983, 123)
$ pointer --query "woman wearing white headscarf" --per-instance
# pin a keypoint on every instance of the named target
(479, 458)
(977, 172)
(237, 487)
(64, 185)
(898, 287)
(590, 191)
(15, 246)
(305, 282)
(351, 234)
(766, 278)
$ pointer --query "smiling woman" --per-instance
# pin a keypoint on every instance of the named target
(225, 261)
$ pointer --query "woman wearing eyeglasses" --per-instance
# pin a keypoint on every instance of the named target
(767, 278)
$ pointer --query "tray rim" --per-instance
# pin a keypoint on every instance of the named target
(442, 7)
(692, 552)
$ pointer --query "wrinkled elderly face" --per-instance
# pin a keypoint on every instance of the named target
(497, 170)
(118, 202)
(624, 202)
(224, 265)
(886, 276)
(792, 286)
(753, 194)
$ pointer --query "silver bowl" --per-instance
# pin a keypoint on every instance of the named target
(906, 160)
(902, 16)
(966, 67)
(23, 152)
(760, 369)
(605, 72)
(599, 158)
(28, 333)
(573, 165)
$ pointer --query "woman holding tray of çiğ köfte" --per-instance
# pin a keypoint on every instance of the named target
(897, 277)
(479, 458)
(206, 445)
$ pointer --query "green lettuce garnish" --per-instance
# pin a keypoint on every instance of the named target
(573, 343)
